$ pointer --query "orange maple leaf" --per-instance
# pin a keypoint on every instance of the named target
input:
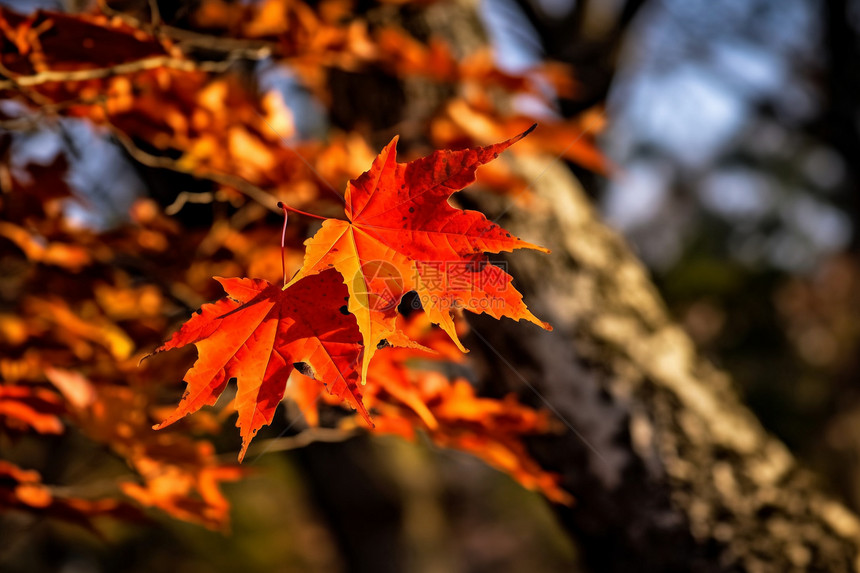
(403, 235)
(259, 334)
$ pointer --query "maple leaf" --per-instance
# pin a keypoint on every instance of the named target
(259, 334)
(403, 235)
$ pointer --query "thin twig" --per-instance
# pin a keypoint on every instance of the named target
(151, 63)
(243, 186)
(154, 14)
(244, 49)
(300, 440)
(35, 97)
(47, 111)
(184, 197)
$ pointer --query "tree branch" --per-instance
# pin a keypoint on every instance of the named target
(243, 49)
(245, 187)
(300, 440)
(126, 68)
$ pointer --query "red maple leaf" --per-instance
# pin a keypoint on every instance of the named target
(259, 334)
(403, 235)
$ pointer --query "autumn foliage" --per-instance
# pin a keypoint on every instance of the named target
(257, 335)
(83, 305)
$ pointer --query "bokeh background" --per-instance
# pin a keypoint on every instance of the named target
(734, 127)
(733, 131)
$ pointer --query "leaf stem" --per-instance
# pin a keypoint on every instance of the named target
(283, 240)
(294, 210)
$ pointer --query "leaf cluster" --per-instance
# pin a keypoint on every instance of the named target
(81, 305)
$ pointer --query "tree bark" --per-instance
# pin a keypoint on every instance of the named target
(670, 470)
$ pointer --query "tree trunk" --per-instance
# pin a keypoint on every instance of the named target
(670, 470)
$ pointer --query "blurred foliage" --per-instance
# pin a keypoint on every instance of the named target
(733, 129)
(144, 148)
(730, 153)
